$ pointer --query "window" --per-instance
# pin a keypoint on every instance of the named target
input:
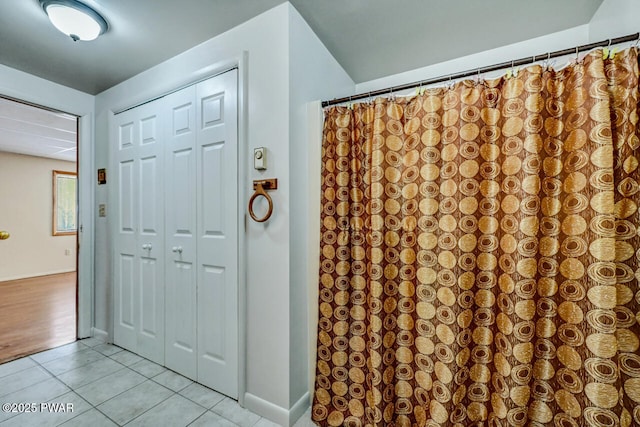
(64, 203)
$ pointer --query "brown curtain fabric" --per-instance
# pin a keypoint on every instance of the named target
(479, 254)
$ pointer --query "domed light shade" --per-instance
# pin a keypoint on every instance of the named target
(75, 19)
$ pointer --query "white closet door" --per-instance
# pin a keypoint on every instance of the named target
(181, 275)
(176, 239)
(151, 333)
(139, 239)
(125, 128)
(217, 233)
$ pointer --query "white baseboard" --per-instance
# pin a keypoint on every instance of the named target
(100, 334)
(299, 408)
(29, 276)
(266, 409)
(274, 412)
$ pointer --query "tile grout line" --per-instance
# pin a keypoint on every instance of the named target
(158, 404)
(72, 390)
(146, 379)
(90, 406)
(222, 416)
(77, 342)
(80, 346)
(30, 385)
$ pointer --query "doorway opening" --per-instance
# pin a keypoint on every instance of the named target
(38, 260)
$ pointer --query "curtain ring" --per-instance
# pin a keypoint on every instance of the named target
(550, 63)
(260, 192)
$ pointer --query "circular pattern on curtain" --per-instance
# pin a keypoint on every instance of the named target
(479, 253)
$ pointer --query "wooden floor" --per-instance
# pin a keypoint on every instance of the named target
(36, 314)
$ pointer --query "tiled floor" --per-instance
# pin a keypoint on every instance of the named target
(109, 386)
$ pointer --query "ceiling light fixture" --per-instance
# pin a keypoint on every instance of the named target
(75, 19)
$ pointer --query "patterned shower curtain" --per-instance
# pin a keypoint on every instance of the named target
(480, 253)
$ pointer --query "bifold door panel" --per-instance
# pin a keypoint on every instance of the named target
(139, 238)
(180, 148)
(217, 233)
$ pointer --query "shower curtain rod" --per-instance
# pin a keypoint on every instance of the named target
(487, 69)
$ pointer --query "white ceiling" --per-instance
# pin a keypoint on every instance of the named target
(33, 131)
(369, 38)
(377, 38)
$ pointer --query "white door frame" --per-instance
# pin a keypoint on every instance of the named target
(85, 162)
(239, 61)
(29, 88)
(86, 197)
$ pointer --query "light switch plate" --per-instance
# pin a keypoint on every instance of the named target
(102, 210)
(260, 158)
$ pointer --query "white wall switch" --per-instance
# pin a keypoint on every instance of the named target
(102, 210)
(260, 158)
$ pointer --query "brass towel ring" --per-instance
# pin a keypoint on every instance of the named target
(260, 186)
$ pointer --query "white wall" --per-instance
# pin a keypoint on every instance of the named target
(539, 45)
(27, 213)
(615, 18)
(27, 87)
(313, 75)
(267, 247)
